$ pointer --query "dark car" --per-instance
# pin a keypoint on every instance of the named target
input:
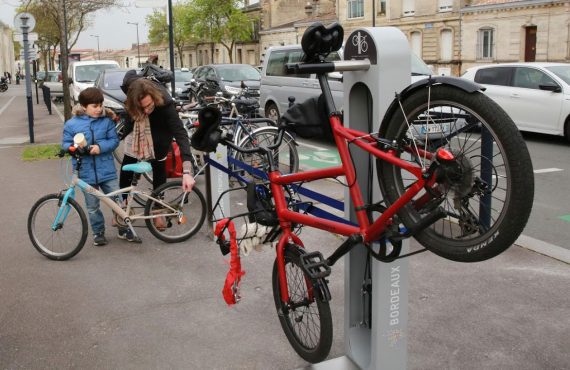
(182, 78)
(110, 81)
(228, 79)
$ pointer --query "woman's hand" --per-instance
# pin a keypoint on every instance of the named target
(188, 182)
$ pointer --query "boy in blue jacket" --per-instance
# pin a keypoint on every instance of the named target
(98, 168)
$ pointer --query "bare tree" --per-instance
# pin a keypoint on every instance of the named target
(72, 17)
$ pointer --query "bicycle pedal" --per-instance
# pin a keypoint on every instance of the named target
(315, 265)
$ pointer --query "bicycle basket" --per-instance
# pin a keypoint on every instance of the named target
(259, 205)
(308, 119)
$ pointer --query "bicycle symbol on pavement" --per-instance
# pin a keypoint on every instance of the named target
(360, 41)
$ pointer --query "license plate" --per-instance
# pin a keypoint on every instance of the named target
(434, 128)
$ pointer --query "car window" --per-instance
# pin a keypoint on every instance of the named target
(113, 81)
(561, 71)
(494, 76)
(278, 59)
(238, 73)
(89, 73)
(210, 73)
(182, 76)
(530, 78)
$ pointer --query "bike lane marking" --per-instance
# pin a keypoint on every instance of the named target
(7, 104)
(547, 170)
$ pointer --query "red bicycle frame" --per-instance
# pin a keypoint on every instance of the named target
(369, 231)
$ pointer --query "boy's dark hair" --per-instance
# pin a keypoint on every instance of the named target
(90, 95)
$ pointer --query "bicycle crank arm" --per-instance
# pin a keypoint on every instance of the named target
(425, 222)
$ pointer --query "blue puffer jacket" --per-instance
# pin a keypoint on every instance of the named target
(100, 131)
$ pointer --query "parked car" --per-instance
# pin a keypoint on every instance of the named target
(535, 95)
(110, 81)
(83, 75)
(182, 78)
(277, 86)
(228, 79)
(53, 80)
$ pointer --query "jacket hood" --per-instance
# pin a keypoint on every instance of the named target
(78, 111)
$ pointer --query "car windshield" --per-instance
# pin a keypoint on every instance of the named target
(180, 76)
(238, 73)
(113, 80)
(53, 77)
(419, 67)
(561, 71)
(89, 73)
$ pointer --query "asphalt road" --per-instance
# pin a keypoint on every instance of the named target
(550, 218)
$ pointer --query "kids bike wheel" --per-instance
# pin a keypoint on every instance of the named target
(285, 156)
(62, 240)
(486, 191)
(184, 219)
(305, 318)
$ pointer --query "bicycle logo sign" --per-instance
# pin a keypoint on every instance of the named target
(360, 46)
(359, 41)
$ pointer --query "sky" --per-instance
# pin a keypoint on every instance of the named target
(111, 26)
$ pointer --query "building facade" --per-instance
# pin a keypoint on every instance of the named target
(7, 58)
(496, 31)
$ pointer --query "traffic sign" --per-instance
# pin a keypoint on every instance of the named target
(19, 37)
(32, 55)
(24, 19)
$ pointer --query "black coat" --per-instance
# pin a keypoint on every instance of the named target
(165, 124)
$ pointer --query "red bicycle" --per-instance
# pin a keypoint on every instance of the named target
(464, 193)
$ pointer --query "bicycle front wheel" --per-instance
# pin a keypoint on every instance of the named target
(306, 318)
(285, 156)
(486, 192)
(59, 240)
(183, 219)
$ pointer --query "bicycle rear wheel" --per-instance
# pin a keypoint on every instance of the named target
(305, 318)
(70, 233)
(285, 156)
(192, 208)
(486, 192)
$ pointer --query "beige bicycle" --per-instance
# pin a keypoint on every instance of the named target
(57, 224)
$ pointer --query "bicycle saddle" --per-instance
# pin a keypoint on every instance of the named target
(207, 135)
(319, 40)
(140, 167)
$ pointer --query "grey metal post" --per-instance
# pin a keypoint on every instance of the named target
(376, 322)
(25, 30)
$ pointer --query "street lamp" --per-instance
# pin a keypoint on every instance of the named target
(98, 53)
(138, 44)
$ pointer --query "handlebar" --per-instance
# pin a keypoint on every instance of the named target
(326, 67)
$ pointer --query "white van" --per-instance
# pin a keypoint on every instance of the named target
(277, 86)
(83, 75)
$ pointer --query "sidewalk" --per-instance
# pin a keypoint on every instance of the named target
(14, 126)
(159, 306)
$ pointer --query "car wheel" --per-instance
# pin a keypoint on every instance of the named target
(272, 112)
(567, 129)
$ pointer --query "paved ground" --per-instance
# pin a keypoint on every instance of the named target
(159, 306)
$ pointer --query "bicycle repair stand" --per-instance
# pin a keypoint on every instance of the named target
(376, 308)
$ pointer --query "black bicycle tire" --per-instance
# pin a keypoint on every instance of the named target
(149, 206)
(322, 348)
(274, 131)
(519, 192)
(32, 233)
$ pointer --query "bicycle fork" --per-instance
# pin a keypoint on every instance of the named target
(63, 210)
